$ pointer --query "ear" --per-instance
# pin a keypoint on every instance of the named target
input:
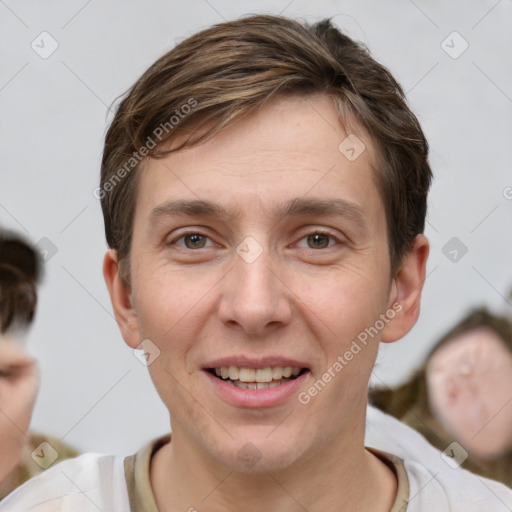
(405, 292)
(120, 296)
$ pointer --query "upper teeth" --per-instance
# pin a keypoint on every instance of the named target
(267, 374)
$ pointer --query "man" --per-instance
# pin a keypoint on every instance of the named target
(264, 191)
(19, 376)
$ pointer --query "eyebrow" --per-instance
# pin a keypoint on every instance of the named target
(192, 208)
(294, 208)
(322, 207)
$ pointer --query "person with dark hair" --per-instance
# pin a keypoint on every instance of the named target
(19, 378)
(462, 393)
(264, 189)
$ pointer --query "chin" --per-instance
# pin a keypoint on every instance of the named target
(260, 453)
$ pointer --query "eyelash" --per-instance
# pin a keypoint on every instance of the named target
(305, 236)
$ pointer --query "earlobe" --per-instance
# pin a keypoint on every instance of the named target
(120, 296)
(405, 291)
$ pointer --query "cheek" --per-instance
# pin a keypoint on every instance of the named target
(165, 298)
(173, 307)
(441, 393)
(13, 433)
(349, 305)
(347, 336)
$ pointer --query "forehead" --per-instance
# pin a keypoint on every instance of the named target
(481, 342)
(292, 147)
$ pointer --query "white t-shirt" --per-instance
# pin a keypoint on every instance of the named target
(430, 482)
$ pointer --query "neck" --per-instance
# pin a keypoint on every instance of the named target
(344, 478)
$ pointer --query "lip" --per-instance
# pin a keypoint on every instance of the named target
(256, 398)
(246, 362)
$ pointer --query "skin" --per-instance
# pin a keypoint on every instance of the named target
(19, 383)
(470, 382)
(293, 301)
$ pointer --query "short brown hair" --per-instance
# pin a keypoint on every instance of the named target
(19, 272)
(224, 73)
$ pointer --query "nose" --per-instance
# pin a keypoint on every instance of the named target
(254, 297)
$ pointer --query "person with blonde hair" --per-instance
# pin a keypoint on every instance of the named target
(462, 393)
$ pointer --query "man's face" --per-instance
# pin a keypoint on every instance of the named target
(265, 247)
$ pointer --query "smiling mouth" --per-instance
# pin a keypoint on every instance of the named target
(260, 378)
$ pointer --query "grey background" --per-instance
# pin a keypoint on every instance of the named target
(95, 394)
